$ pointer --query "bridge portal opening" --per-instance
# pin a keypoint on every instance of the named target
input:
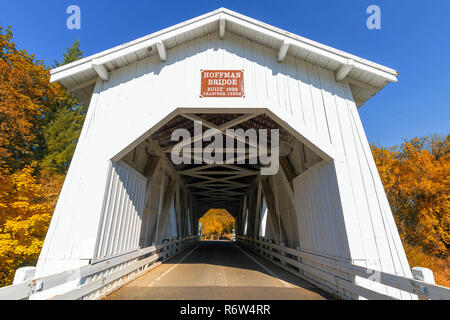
(170, 197)
(217, 224)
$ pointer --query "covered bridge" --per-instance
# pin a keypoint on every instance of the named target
(313, 205)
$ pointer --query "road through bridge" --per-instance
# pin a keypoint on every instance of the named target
(218, 270)
(223, 112)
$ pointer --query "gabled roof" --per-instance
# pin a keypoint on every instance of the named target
(366, 78)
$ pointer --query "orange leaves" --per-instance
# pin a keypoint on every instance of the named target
(25, 96)
(416, 179)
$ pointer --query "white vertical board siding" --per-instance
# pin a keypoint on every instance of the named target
(319, 212)
(171, 227)
(68, 243)
(121, 218)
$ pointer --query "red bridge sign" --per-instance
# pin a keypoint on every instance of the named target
(222, 83)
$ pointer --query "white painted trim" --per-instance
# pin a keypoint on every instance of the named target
(83, 85)
(283, 50)
(361, 84)
(222, 23)
(161, 50)
(344, 70)
(101, 70)
(341, 57)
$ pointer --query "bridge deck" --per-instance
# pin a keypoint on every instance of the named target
(218, 270)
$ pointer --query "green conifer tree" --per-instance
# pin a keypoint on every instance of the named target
(64, 125)
(72, 54)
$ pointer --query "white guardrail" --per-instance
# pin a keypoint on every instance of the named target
(101, 278)
(338, 277)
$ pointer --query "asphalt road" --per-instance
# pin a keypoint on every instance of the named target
(216, 270)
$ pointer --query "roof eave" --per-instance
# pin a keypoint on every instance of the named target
(156, 40)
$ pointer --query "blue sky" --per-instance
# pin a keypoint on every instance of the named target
(414, 39)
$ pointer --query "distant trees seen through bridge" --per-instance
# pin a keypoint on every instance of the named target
(217, 224)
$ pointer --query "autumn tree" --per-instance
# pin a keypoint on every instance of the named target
(25, 100)
(40, 124)
(217, 222)
(24, 219)
(416, 177)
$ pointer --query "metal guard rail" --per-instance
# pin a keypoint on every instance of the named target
(270, 250)
(96, 276)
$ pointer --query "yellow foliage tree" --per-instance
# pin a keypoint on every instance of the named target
(216, 223)
(23, 223)
(27, 103)
(416, 178)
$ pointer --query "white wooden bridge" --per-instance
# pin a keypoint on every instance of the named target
(126, 206)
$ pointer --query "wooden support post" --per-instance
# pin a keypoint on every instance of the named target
(178, 209)
(160, 204)
(150, 166)
(288, 187)
(287, 168)
(165, 216)
(277, 206)
(149, 171)
(272, 218)
(258, 212)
